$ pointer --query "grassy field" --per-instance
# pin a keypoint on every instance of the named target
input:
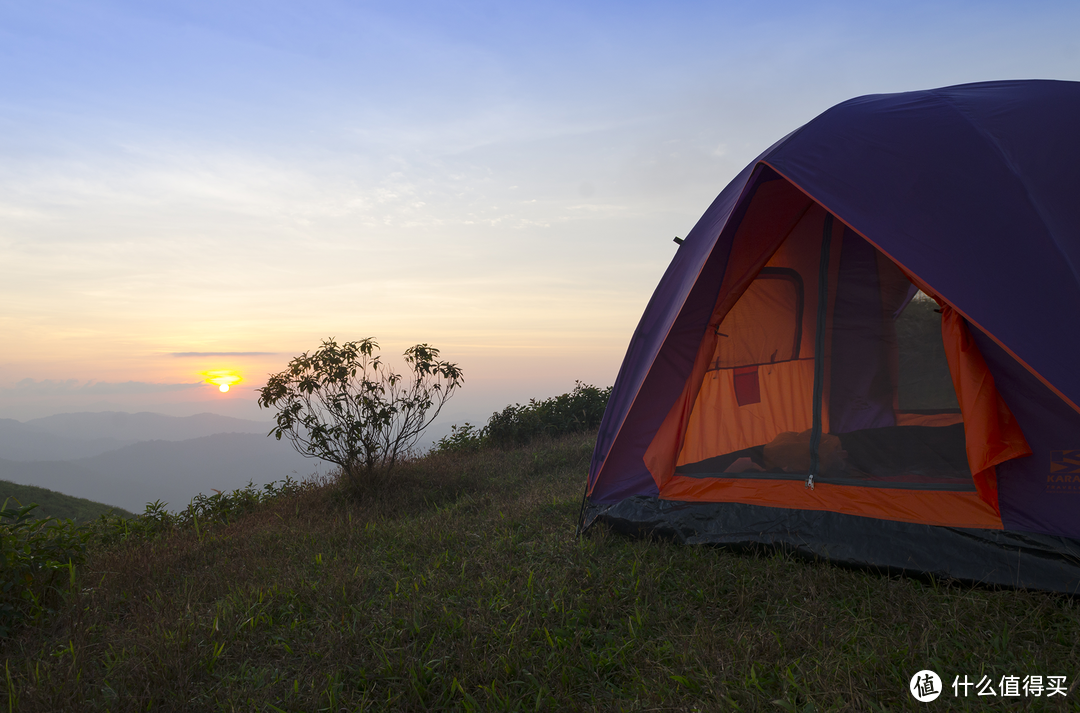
(461, 587)
(53, 504)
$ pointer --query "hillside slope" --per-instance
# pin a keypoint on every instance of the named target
(57, 505)
(64, 477)
(171, 471)
(461, 587)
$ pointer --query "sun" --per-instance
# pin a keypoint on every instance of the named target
(222, 378)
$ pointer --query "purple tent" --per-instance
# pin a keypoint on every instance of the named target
(971, 192)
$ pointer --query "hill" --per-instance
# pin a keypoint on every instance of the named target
(459, 585)
(57, 505)
(145, 426)
(170, 471)
(24, 442)
(177, 471)
(70, 436)
(63, 477)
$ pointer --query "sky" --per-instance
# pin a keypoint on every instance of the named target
(196, 186)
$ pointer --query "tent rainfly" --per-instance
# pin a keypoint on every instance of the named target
(868, 348)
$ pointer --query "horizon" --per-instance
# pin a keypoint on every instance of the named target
(132, 413)
(190, 188)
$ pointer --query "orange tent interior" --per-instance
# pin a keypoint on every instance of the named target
(910, 425)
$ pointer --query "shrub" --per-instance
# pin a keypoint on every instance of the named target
(38, 556)
(578, 410)
(462, 439)
(344, 405)
(37, 563)
(202, 512)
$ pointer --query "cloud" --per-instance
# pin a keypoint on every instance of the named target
(214, 354)
(69, 387)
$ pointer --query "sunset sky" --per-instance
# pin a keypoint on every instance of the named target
(197, 186)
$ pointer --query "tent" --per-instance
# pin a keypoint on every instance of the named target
(868, 347)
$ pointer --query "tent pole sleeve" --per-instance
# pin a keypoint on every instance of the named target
(819, 349)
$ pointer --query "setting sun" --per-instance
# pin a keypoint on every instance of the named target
(222, 378)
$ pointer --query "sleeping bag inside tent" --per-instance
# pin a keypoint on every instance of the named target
(866, 350)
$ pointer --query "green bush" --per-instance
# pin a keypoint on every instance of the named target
(462, 439)
(37, 563)
(38, 556)
(204, 511)
(579, 410)
(342, 404)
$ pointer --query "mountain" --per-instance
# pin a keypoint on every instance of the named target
(171, 471)
(64, 477)
(24, 442)
(145, 426)
(81, 435)
(53, 504)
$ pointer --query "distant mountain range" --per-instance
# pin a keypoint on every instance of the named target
(81, 435)
(128, 460)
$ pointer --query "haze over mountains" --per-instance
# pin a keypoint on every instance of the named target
(129, 459)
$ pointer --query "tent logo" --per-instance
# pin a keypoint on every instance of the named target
(925, 686)
(1064, 474)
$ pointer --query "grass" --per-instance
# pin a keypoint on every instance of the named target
(56, 505)
(461, 587)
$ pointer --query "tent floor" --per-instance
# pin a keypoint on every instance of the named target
(988, 557)
(916, 457)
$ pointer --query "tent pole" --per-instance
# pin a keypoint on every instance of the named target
(581, 513)
(819, 350)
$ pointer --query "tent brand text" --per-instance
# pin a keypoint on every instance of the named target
(1064, 474)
